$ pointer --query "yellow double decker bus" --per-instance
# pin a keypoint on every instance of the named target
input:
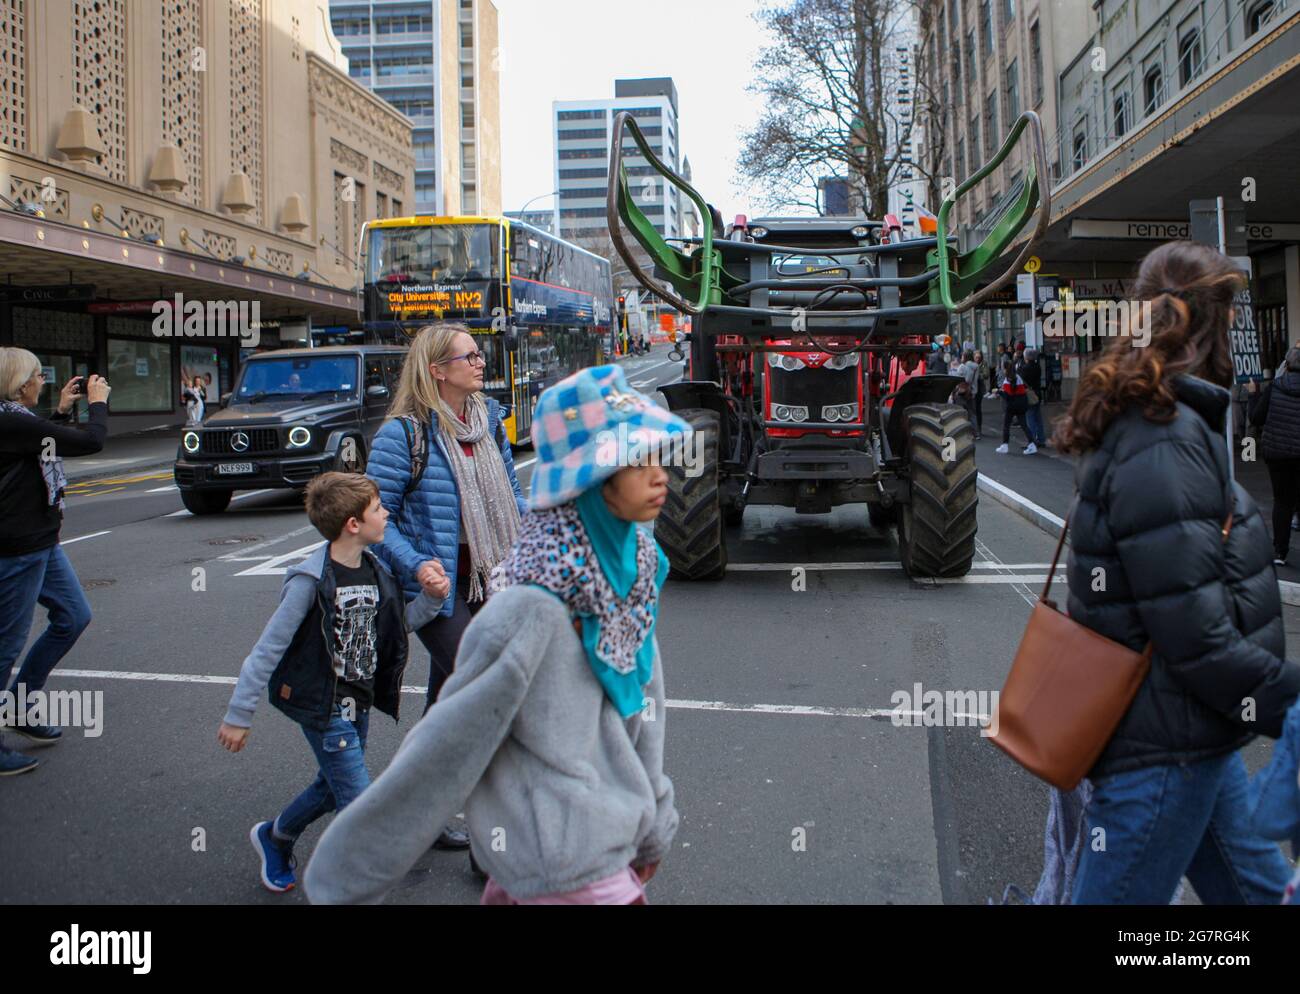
(541, 307)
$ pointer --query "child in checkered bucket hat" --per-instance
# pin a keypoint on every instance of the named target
(560, 671)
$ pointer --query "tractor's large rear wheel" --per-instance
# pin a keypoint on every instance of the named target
(936, 530)
(690, 526)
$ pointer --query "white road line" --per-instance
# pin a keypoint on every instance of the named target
(1028, 596)
(525, 463)
(797, 710)
(81, 538)
(163, 490)
(647, 369)
(279, 565)
(240, 553)
(642, 383)
(867, 566)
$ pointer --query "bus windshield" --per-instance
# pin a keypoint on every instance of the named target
(441, 253)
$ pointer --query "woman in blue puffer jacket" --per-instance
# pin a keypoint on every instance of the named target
(452, 526)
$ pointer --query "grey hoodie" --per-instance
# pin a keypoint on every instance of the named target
(296, 598)
(558, 790)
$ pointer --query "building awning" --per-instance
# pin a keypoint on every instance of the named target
(1236, 132)
(38, 251)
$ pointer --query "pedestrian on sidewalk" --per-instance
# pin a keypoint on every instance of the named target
(1032, 373)
(550, 732)
(1167, 551)
(334, 648)
(447, 476)
(934, 362)
(968, 390)
(193, 396)
(982, 386)
(33, 566)
(1015, 404)
(1276, 409)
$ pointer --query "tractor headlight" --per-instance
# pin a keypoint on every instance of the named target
(843, 361)
(191, 441)
(758, 232)
(840, 412)
(861, 231)
(787, 362)
(299, 436)
(787, 412)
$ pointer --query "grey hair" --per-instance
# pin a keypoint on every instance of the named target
(1293, 359)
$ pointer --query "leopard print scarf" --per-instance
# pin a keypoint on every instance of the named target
(555, 553)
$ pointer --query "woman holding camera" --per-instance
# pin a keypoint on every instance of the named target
(33, 567)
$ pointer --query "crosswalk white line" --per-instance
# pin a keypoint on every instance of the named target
(865, 566)
(796, 710)
(82, 538)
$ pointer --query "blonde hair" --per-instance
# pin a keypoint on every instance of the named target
(17, 367)
(417, 390)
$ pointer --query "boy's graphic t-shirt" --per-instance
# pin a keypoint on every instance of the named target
(356, 605)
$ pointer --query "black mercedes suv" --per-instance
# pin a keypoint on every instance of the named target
(294, 414)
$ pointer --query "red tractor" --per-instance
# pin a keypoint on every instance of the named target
(805, 382)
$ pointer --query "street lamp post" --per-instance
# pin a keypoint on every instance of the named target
(542, 196)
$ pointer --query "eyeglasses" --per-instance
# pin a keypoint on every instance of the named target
(474, 358)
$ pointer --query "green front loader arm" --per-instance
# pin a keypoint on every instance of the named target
(959, 277)
(694, 275)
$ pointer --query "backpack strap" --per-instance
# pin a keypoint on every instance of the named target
(417, 444)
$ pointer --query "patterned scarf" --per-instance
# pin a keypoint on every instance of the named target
(51, 467)
(555, 552)
(488, 512)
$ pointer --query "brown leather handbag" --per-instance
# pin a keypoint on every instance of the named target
(1068, 688)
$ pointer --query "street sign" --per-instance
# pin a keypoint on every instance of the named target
(1033, 264)
(58, 293)
(1167, 231)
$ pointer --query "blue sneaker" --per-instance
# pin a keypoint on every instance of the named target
(39, 735)
(277, 861)
(13, 762)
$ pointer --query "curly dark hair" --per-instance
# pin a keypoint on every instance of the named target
(1190, 287)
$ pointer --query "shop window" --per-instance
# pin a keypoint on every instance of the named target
(140, 373)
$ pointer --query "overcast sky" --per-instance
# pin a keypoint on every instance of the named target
(575, 49)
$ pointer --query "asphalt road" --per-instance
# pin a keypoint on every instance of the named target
(777, 731)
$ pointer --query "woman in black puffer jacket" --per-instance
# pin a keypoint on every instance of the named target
(1277, 411)
(1149, 562)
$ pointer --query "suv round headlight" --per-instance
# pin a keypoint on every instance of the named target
(861, 231)
(191, 441)
(299, 436)
(758, 232)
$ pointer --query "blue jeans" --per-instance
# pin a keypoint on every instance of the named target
(44, 578)
(1034, 416)
(1164, 822)
(341, 754)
